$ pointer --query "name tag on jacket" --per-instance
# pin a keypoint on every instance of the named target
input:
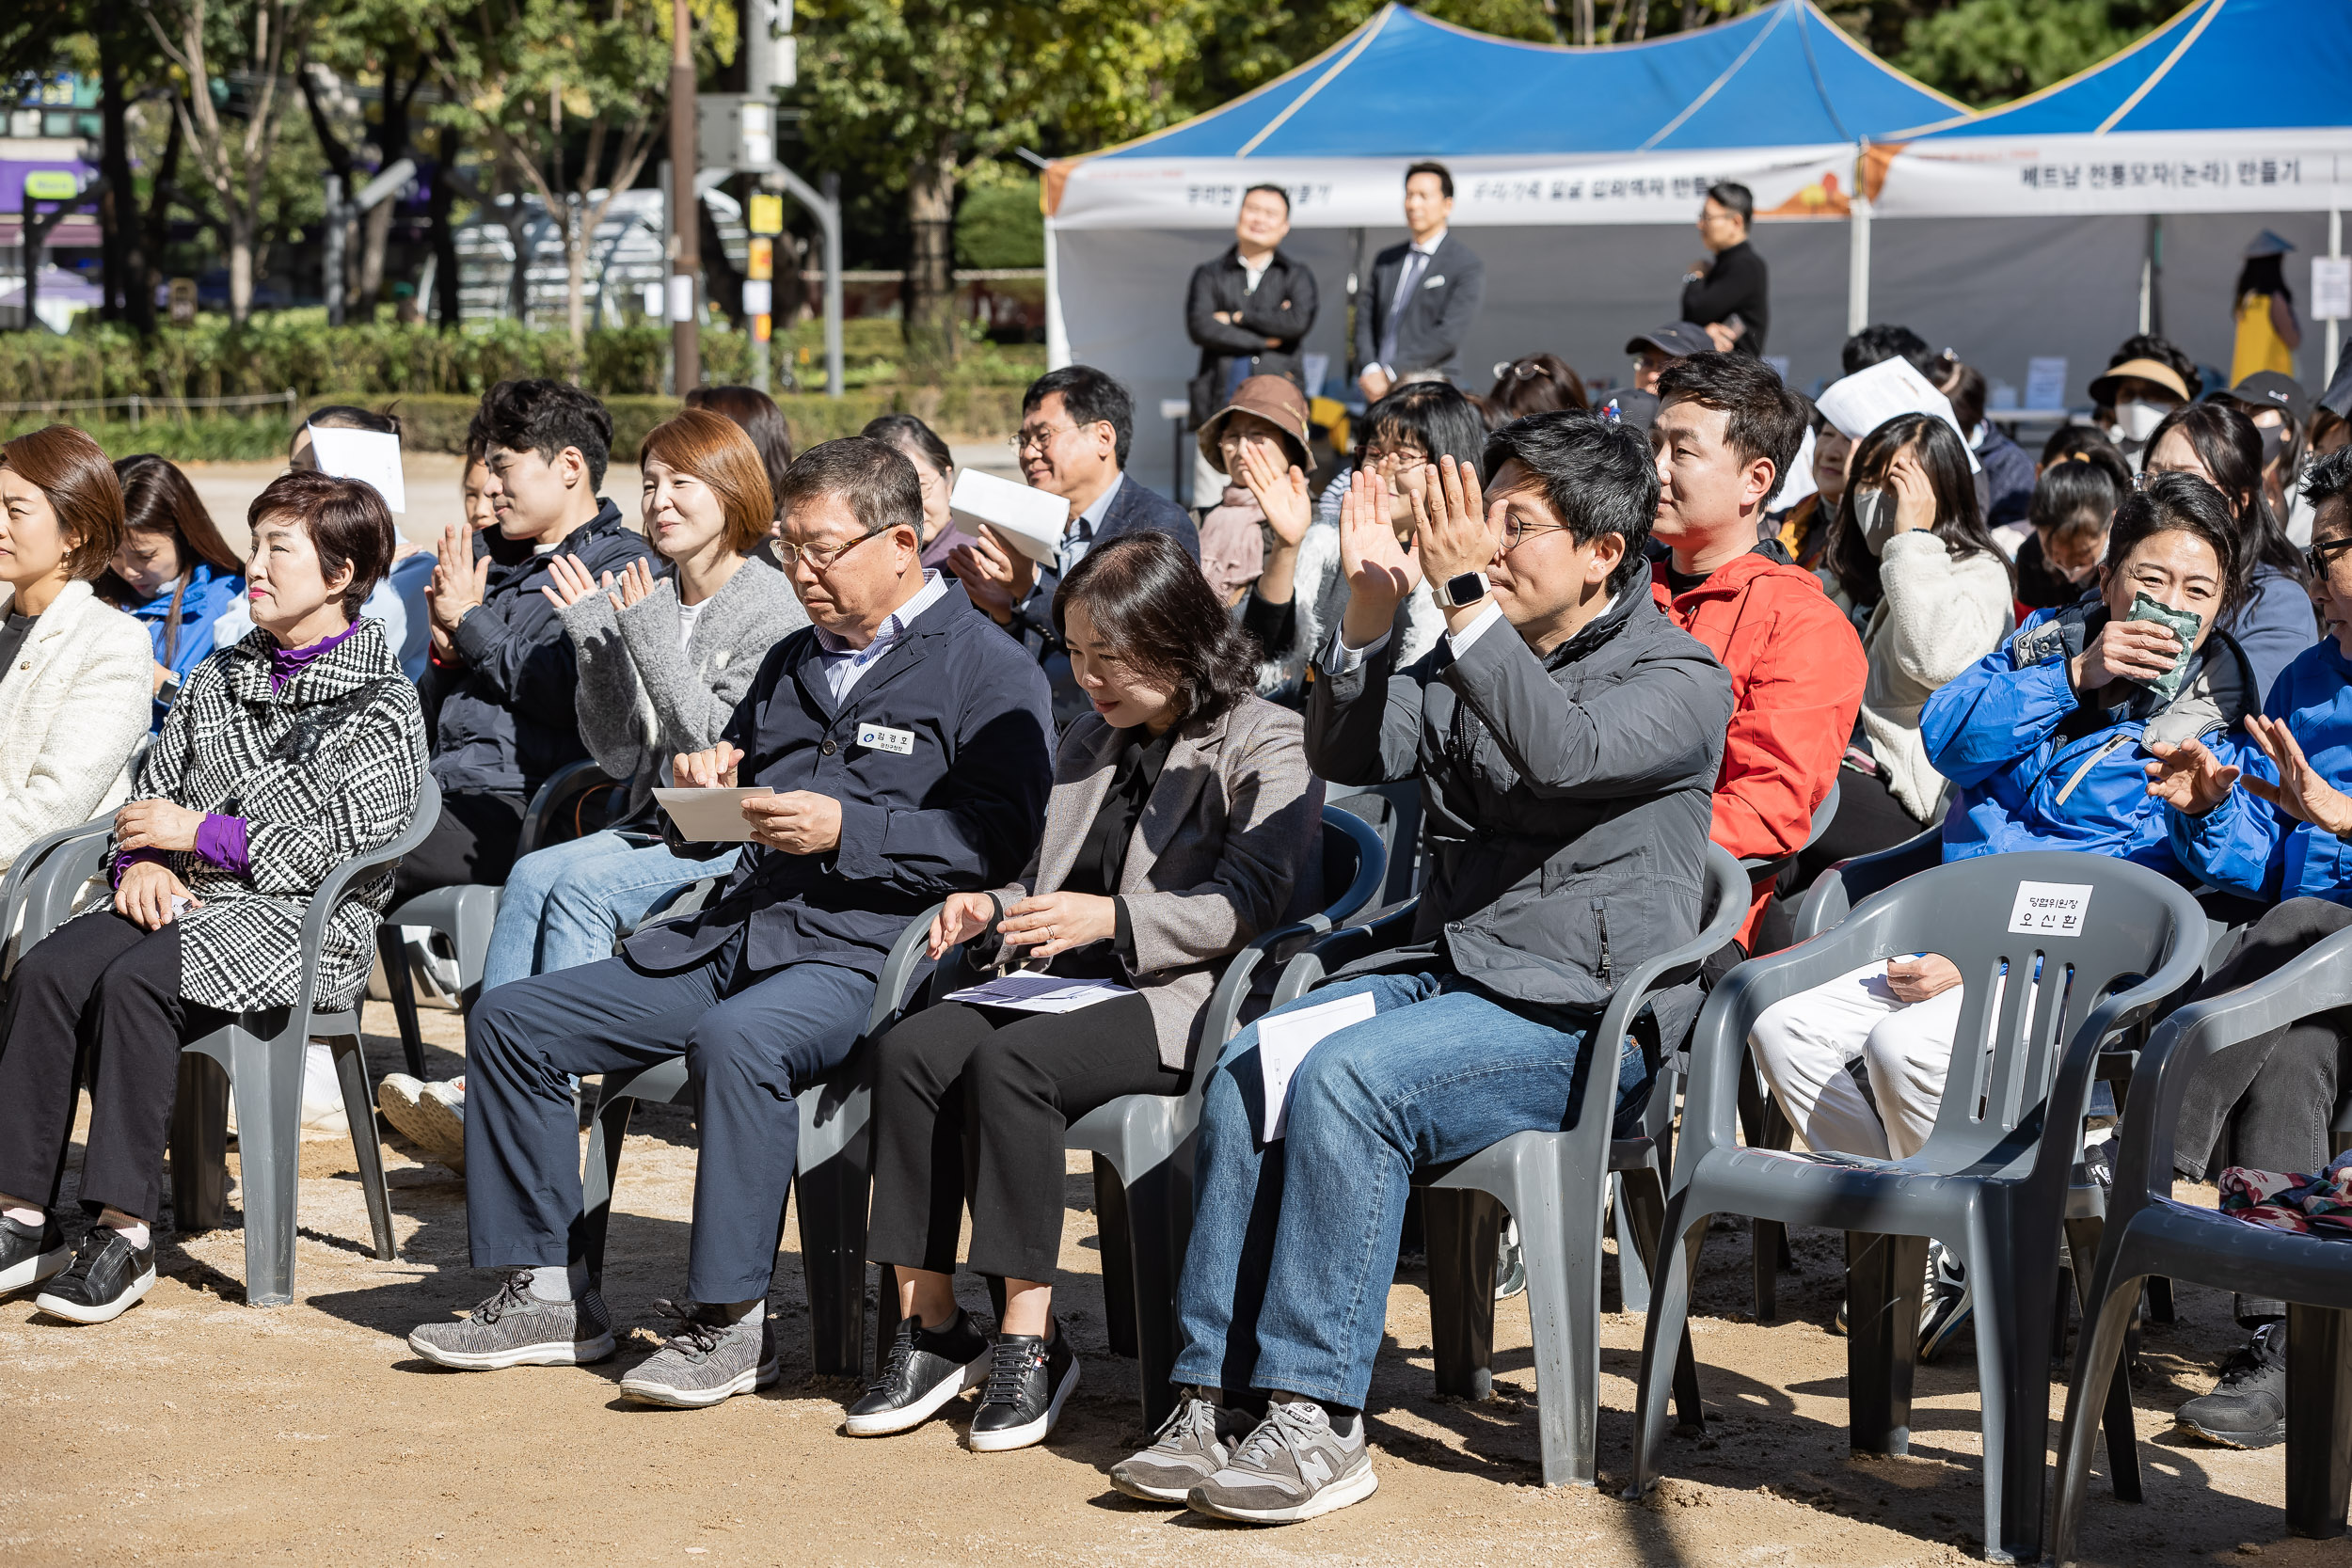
(886, 739)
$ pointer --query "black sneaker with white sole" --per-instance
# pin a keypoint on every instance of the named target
(106, 1279)
(1026, 1386)
(30, 1253)
(2248, 1408)
(924, 1368)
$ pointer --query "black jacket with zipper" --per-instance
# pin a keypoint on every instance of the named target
(1282, 306)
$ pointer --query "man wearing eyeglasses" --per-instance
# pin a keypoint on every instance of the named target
(902, 740)
(1077, 427)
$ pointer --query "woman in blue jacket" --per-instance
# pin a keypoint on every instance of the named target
(174, 572)
(2217, 443)
(2045, 739)
(2270, 827)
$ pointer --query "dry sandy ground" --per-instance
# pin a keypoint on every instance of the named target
(198, 1429)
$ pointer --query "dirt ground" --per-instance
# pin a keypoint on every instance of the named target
(198, 1429)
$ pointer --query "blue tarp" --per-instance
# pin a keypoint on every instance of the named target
(1404, 86)
(2220, 65)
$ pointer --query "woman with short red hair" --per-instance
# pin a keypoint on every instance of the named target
(291, 751)
(74, 674)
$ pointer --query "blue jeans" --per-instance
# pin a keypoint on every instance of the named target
(1286, 1283)
(562, 906)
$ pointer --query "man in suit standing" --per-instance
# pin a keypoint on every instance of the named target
(1730, 295)
(1077, 426)
(1424, 292)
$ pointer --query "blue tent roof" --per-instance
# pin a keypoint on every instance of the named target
(2220, 65)
(1404, 86)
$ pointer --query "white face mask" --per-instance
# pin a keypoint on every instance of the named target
(2137, 421)
(1874, 514)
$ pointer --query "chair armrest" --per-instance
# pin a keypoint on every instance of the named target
(323, 903)
(897, 970)
(13, 887)
(1346, 945)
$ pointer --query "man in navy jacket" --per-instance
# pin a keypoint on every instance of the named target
(905, 739)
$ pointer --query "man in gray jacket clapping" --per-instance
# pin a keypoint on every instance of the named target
(1566, 736)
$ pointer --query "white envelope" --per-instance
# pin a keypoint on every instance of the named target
(371, 456)
(1868, 398)
(710, 815)
(1031, 520)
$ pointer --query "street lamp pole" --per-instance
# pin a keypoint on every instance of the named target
(684, 223)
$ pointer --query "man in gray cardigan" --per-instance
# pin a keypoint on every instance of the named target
(1566, 736)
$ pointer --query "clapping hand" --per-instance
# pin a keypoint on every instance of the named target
(1452, 523)
(570, 582)
(1280, 489)
(2187, 777)
(637, 581)
(1380, 568)
(459, 581)
(2300, 792)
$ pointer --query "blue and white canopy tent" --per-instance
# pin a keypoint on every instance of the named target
(1578, 175)
(2123, 198)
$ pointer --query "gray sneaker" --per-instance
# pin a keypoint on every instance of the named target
(1298, 1465)
(1192, 1446)
(706, 1361)
(515, 1329)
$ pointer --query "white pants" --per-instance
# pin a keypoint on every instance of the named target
(1806, 1047)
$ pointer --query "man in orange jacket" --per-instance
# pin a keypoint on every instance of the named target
(1725, 433)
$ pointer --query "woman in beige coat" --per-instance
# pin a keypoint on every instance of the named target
(1182, 815)
(1910, 543)
(75, 674)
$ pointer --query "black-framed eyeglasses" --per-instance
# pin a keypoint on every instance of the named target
(2322, 552)
(820, 557)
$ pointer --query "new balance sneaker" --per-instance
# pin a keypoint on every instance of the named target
(708, 1359)
(1191, 1445)
(1298, 1464)
(1026, 1388)
(1947, 1305)
(926, 1368)
(106, 1279)
(515, 1329)
(30, 1253)
(431, 1116)
(1510, 1263)
(2248, 1408)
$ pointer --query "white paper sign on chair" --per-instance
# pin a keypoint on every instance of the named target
(2050, 908)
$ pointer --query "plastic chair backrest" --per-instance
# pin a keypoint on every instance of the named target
(1843, 885)
(1355, 861)
(1823, 815)
(330, 892)
(2040, 939)
(548, 819)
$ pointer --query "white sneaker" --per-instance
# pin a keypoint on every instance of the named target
(431, 1116)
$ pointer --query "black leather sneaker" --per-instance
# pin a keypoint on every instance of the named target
(924, 1369)
(2248, 1408)
(30, 1253)
(106, 1279)
(1026, 1389)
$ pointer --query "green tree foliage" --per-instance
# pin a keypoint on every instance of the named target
(998, 223)
(1986, 52)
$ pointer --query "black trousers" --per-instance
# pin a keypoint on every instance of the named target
(2267, 1103)
(98, 998)
(474, 841)
(970, 1105)
(1868, 819)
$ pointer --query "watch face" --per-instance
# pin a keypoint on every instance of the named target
(1464, 588)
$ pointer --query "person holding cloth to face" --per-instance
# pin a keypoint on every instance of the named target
(903, 740)
(1730, 295)
(1182, 816)
(289, 753)
(1424, 292)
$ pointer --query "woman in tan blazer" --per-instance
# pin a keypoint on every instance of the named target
(1182, 815)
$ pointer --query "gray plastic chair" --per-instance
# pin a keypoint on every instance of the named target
(44, 880)
(1988, 1184)
(2148, 1234)
(464, 913)
(1553, 1183)
(831, 1178)
(259, 1059)
(1142, 1144)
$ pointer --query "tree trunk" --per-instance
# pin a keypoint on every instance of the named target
(241, 227)
(931, 283)
(129, 289)
(575, 274)
(446, 308)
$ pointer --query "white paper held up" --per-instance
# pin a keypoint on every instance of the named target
(371, 456)
(1031, 520)
(1041, 993)
(1285, 1038)
(1868, 398)
(710, 815)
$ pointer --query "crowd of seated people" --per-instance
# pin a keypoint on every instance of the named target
(1589, 631)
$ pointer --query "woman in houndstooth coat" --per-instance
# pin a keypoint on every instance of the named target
(289, 752)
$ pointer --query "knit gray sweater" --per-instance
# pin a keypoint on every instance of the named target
(644, 698)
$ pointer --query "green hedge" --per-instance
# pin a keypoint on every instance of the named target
(435, 421)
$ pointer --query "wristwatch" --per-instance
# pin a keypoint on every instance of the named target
(1463, 588)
